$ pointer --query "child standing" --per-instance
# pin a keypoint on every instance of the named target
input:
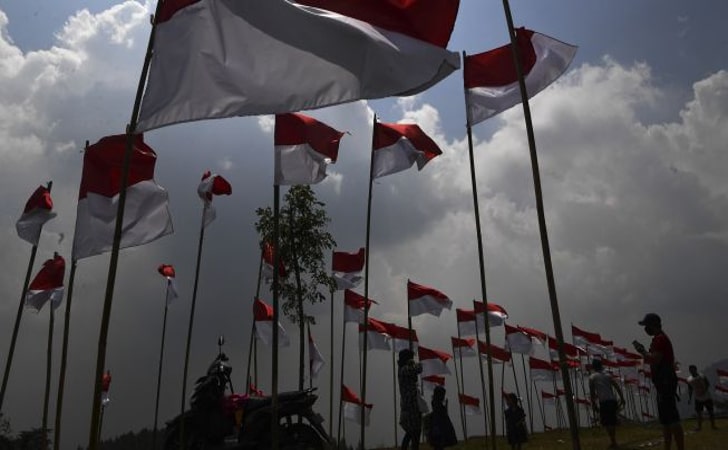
(442, 432)
(515, 422)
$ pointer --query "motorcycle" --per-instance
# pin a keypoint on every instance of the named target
(243, 422)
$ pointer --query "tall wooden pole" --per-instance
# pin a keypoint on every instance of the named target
(159, 370)
(482, 381)
(394, 394)
(556, 316)
(64, 358)
(366, 291)
(526, 384)
(274, 360)
(49, 364)
(183, 400)
(252, 353)
(18, 316)
(460, 381)
(341, 377)
(94, 431)
(331, 367)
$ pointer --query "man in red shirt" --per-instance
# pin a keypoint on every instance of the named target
(661, 359)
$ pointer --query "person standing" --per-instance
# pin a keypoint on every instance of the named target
(698, 384)
(442, 432)
(661, 359)
(410, 416)
(602, 388)
(516, 432)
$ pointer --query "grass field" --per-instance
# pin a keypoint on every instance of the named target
(629, 437)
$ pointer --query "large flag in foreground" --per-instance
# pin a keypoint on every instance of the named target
(263, 316)
(396, 147)
(146, 215)
(491, 81)
(303, 148)
(225, 58)
(38, 210)
(211, 185)
(426, 300)
(347, 267)
(47, 284)
(353, 406)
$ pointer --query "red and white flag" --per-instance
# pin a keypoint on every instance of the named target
(570, 351)
(268, 262)
(353, 406)
(471, 405)
(722, 376)
(548, 398)
(463, 348)
(430, 382)
(434, 362)
(354, 306)
(585, 338)
(426, 300)
(347, 267)
(518, 341)
(497, 354)
(167, 271)
(541, 370)
(491, 81)
(721, 390)
(38, 210)
(211, 185)
(396, 147)
(226, 58)
(377, 337)
(315, 359)
(263, 315)
(303, 148)
(400, 337)
(497, 315)
(47, 284)
(146, 213)
(466, 322)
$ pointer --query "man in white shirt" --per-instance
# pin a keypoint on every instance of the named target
(698, 384)
(602, 388)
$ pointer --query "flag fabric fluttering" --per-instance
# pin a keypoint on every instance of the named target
(377, 337)
(585, 338)
(396, 147)
(167, 271)
(571, 351)
(354, 306)
(400, 337)
(541, 370)
(38, 210)
(353, 406)
(146, 213)
(471, 405)
(430, 382)
(315, 358)
(548, 398)
(224, 58)
(268, 262)
(463, 347)
(346, 268)
(263, 316)
(303, 148)
(518, 341)
(426, 300)
(497, 315)
(491, 80)
(466, 322)
(434, 362)
(47, 284)
(211, 185)
(497, 354)
(722, 376)
(105, 386)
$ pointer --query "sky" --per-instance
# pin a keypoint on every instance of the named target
(632, 152)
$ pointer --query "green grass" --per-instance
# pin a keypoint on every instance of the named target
(629, 436)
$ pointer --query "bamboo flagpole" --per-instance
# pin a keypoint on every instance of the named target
(64, 358)
(341, 377)
(331, 366)
(482, 380)
(252, 346)
(274, 360)
(18, 316)
(481, 263)
(49, 364)
(460, 382)
(95, 428)
(159, 370)
(556, 316)
(366, 290)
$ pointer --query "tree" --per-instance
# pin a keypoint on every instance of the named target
(302, 244)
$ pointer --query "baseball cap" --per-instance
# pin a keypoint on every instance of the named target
(651, 319)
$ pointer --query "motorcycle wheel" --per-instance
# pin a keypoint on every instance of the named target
(299, 436)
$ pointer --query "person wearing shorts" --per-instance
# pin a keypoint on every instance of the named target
(602, 389)
(698, 384)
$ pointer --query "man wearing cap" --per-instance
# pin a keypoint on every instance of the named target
(661, 359)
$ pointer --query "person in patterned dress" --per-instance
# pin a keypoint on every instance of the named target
(410, 416)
